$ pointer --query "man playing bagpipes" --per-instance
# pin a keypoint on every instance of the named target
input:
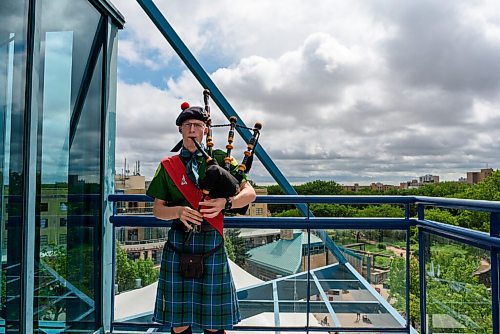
(195, 288)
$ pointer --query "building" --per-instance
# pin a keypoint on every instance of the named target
(258, 209)
(138, 242)
(413, 184)
(148, 242)
(259, 237)
(382, 187)
(476, 177)
(374, 186)
(422, 180)
(53, 215)
(428, 178)
(355, 188)
(287, 256)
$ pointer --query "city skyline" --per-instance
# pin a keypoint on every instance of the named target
(421, 179)
(359, 92)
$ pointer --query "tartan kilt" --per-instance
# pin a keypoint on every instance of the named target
(206, 303)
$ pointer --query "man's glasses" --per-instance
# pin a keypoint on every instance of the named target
(197, 126)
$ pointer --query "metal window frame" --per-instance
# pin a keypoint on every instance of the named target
(29, 165)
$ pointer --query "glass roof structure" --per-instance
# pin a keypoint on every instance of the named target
(335, 292)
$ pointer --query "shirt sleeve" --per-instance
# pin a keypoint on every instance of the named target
(159, 185)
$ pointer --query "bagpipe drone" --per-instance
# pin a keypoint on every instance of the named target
(219, 182)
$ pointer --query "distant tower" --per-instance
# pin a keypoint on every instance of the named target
(137, 168)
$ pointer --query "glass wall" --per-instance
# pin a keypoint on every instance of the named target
(69, 105)
(13, 41)
(69, 151)
(366, 288)
(458, 287)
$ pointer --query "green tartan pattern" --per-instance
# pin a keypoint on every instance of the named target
(206, 303)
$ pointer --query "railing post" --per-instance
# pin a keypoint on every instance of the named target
(421, 261)
(408, 264)
(113, 274)
(308, 268)
(407, 211)
(495, 289)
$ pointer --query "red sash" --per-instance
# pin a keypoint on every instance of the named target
(177, 172)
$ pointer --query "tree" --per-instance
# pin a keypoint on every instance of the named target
(474, 220)
(238, 244)
(397, 278)
(442, 216)
(3, 291)
(228, 244)
(332, 210)
(316, 187)
(275, 190)
(384, 210)
(128, 270)
(289, 213)
(442, 189)
(319, 187)
(488, 189)
(453, 289)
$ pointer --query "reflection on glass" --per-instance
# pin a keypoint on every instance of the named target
(6, 77)
(12, 111)
(67, 276)
(56, 106)
(458, 286)
(54, 174)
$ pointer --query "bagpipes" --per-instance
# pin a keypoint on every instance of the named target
(219, 182)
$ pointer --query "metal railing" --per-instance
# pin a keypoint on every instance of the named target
(414, 217)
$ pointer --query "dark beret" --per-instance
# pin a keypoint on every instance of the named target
(191, 113)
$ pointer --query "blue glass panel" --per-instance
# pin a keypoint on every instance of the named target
(458, 287)
(13, 18)
(67, 265)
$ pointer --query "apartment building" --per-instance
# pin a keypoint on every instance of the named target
(476, 177)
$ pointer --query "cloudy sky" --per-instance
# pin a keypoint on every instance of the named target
(351, 91)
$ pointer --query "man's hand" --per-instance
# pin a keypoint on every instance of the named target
(212, 207)
(189, 216)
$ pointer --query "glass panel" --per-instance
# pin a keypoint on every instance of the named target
(458, 283)
(67, 267)
(138, 254)
(356, 294)
(292, 295)
(13, 15)
(379, 257)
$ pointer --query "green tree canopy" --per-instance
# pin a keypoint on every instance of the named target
(488, 189)
(237, 243)
(128, 270)
(442, 216)
(384, 210)
(316, 187)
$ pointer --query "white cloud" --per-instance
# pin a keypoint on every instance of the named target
(352, 91)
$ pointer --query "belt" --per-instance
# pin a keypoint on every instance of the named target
(204, 227)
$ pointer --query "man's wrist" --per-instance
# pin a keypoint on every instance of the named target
(229, 203)
(178, 210)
